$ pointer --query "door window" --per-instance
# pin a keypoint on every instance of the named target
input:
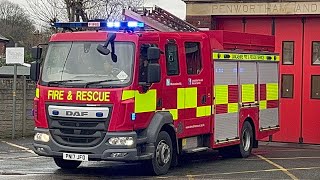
(193, 57)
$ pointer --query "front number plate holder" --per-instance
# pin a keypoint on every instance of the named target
(75, 157)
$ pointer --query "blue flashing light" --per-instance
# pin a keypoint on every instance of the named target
(116, 25)
(55, 112)
(99, 114)
(133, 116)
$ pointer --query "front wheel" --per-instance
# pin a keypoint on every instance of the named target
(161, 161)
(66, 164)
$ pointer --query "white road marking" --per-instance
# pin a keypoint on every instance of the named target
(20, 147)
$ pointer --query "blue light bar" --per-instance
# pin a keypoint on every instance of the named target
(117, 25)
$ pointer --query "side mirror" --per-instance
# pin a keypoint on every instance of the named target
(153, 54)
(153, 73)
(35, 71)
(103, 49)
(36, 52)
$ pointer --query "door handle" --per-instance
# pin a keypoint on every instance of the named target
(204, 99)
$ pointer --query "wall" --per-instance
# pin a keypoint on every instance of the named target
(6, 108)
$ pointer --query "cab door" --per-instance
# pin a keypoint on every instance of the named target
(172, 72)
(197, 85)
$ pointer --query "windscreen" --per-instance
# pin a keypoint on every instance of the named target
(81, 62)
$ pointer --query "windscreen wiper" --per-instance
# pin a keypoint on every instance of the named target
(98, 82)
(56, 83)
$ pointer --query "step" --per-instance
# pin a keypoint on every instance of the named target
(197, 149)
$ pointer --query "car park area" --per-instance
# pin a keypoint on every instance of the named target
(269, 161)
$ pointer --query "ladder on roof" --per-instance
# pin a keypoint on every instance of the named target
(156, 18)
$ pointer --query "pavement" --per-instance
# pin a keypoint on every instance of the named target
(269, 161)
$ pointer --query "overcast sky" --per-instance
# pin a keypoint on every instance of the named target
(177, 7)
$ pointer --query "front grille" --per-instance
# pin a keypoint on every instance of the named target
(78, 132)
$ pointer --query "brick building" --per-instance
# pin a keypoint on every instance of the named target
(296, 26)
(3, 42)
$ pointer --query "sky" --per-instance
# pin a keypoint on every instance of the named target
(176, 7)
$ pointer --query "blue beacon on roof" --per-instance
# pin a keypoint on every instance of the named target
(102, 24)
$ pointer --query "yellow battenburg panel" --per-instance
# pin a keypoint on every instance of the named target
(180, 98)
(247, 93)
(174, 113)
(263, 105)
(203, 111)
(191, 96)
(221, 94)
(272, 91)
(127, 94)
(233, 107)
(208, 110)
(37, 93)
(145, 102)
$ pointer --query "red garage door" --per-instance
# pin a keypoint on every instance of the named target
(311, 82)
(289, 36)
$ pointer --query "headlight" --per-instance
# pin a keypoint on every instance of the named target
(41, 137)
(124, 141)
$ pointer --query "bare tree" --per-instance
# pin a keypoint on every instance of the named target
(16, 25)
(49, 11)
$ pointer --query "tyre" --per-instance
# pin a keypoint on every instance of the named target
(244, 149)
(246, 141)
(66, 164)
(161, 161)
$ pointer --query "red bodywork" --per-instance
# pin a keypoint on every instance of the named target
(121, 111)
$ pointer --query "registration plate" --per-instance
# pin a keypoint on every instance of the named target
(75, 157)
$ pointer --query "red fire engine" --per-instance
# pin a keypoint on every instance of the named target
(151, 96)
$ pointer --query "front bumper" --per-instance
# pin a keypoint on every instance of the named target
(140, 150)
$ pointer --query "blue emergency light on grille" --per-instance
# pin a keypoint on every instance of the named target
(101, 24)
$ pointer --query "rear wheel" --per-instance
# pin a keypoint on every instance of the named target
(161, 161)
(66, 164)
(246, 143)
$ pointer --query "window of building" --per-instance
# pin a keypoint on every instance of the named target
(287, 52)
(315, 87)
(287, 86)
(172, 59)
(193, 57)
(316, 53)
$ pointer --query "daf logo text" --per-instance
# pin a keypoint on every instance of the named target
(76, 113)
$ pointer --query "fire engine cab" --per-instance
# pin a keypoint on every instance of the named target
(151, 96)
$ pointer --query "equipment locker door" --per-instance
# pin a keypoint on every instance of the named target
(268, 95)
(226, 101)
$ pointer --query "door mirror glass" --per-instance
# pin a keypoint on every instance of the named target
(35, 71)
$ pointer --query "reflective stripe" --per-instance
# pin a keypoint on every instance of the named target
(245, 56)
(145, 102)
(203, 111)
(174, 113)
(191, 97)
(233, 107)
(127, 94)
(247, 93)
(37, 93)
(263, 105)
(221, 94)
(180, 98)
(272, 91)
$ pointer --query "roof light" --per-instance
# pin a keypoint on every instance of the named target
(117, 25)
